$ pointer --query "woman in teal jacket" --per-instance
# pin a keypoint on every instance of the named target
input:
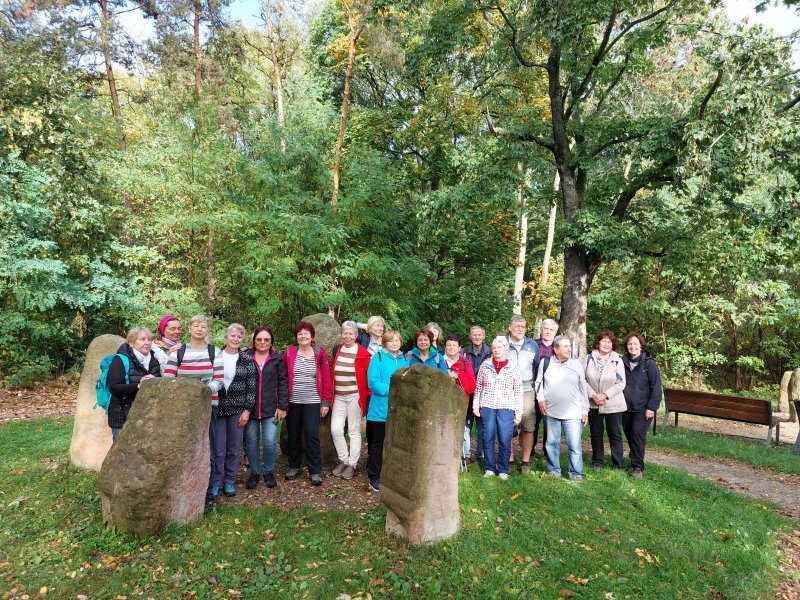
(385, 361)
(425, 353)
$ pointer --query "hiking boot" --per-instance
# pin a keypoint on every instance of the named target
(525, 469)
(375, 485)
(316, 479)
(252, 481)
(269, 479)
(292, 473)
(636, 473)
(229, 489)
(349, 472)
(503, 476)
(339, 469)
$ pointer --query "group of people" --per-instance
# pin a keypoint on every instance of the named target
(514, 384)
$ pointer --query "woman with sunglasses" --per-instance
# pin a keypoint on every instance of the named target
(272, 401)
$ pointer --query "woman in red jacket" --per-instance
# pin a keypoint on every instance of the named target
(350, 397)
(462, 373)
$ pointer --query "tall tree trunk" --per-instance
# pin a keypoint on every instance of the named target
(522, 238)
(112, 84)
(355, 32)
(548, 252)
(211, 272)
(277, 72)
(198, 79)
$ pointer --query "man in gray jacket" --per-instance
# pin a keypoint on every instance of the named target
(564, 402)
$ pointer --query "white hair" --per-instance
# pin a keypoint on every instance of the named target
(350, 325)
(550, 322)
(236, 327)
(502, 341)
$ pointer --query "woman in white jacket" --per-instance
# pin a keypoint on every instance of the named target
(605, 380)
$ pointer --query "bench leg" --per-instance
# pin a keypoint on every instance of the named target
(769, 436)
(666, 416)
(676, 420)
(796, 447)
(778, 433)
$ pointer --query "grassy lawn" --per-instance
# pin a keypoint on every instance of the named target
(713, 445)
(611, 537)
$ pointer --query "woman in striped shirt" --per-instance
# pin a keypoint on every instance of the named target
(350, 362)
(310, 396)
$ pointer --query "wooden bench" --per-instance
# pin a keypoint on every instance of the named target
(721, 406)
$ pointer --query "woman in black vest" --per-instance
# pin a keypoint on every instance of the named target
(142, 365)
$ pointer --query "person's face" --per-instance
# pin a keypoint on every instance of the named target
(172, 331)
(143, 344)
(548, 333)
(423, 343)
(435, 333)
(348, 337)
(198, 330)
(499, 352)
(378, 329)
(263, 341)
(605, 346)
(393, 345)
(517, 329)
(304, 337)
(451, 348)
(634, 347)
(477, 336)
(234, 339)
(563, 350)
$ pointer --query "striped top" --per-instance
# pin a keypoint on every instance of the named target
(304, 381)
(344, 373)
(196, 365)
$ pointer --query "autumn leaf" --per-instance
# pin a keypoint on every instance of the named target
(565, 593)
(646, 556)
(515, 496)
(578, 580)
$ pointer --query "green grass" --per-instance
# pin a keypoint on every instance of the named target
(714, 445)
(609, 537)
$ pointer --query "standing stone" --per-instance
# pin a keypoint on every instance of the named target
(328, 332)
(327, 450)
(794, 386)
(91, 435)
(424, 433)
(156, 473)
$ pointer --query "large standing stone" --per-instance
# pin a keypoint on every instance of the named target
(156, 473)
(91, 435)
(326, 448)
(424, 433)
(328, 332)
(794, 386)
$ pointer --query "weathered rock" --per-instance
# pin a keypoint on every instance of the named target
(424, 432)
(794, 386)
(91, 435)
(326, 448)
(328, 332)
(156, 473)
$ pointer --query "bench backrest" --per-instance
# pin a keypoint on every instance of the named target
(721, 406)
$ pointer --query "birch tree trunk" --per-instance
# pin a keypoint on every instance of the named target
(519, 276)
(277, 72)
(198, 79)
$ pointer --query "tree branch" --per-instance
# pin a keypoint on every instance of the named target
(790, 104)
(615, 141)
(513, 39)
(499, 131)
(655, 175)
(710, 93)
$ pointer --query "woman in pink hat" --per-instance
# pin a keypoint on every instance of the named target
(169, 330)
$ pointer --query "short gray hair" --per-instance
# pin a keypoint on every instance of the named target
(517, 319)
(374, 320)
(500, 340)
(550, 322)
(474, 327)
(431, 326)
(236, 327)
(134, 334)
(559, 339)
(350, 325)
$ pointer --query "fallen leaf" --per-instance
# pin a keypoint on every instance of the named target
(515, 496)
(578, 580)
(566, 593)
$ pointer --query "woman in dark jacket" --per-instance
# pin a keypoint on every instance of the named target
(642, 396)
(272, 401)
(142, 366)
(237, 397)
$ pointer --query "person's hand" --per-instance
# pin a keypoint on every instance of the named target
(143, 379)
(280, 415)
(323, 411)
(453, 375)
(175, 348)
(244, 418)
(476, 411)
(584, 419)
(649, 414)
(543, 407)
(517, 420)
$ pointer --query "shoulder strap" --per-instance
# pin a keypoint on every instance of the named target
(181, 354)
(212, 353)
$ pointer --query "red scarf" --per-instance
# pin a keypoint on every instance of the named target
(499, 365)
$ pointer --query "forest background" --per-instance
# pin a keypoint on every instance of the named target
(404, 158)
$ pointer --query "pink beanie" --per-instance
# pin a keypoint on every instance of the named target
(162, 324)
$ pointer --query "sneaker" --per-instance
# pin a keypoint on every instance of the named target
(252, 481)
(503, 476)
(554, 474)
(576, 477)
(375, 485)
(525, 469)
(316, 479)
(636, 473)
(488, 473)
(269, 479)
(229, 489)
(339, 469)
(215, 491)
(349, 472)
(292, 473)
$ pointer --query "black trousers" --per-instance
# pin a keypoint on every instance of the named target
(304, 419)
(635, 426)
(613, 425)
(539, 420)
(376, 432)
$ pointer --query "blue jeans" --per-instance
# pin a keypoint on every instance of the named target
(572, 435)
(498, 423)
(114, 433)
(268, 432)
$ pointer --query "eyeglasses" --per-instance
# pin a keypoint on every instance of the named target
(263, 340)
